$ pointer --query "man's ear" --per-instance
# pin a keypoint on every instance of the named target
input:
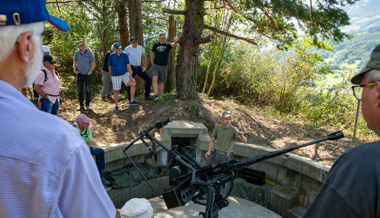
(377, 93)
(25, 47)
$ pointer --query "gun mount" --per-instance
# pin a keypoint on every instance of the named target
(205, 185)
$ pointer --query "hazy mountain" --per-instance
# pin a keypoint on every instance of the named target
(363, 14)
(365, 28)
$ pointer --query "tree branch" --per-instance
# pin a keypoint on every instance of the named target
(248, 18)
(205, 40)
(213, 29)
(172, 11)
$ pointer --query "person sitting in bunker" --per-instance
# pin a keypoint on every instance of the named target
(83, 125)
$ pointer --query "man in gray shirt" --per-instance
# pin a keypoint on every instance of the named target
(84, 64)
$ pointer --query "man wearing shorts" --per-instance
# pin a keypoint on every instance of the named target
(159, 57)
(118, 65)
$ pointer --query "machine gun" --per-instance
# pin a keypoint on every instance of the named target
(206, 185)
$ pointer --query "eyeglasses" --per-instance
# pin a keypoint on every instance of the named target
(47, 36)
(358, 90)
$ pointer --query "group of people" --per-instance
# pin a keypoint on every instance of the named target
(119, 66)
(47, 170)
(122, 67)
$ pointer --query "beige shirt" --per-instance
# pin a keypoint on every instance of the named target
(225, 138)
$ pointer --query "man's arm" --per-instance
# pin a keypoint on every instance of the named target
(75, 68)
(143, 62)
(92, 68)
(174, 43)
(152, 57)
(210, 144)
(242, 137)
(85, 195)
(110, 69)
(129, 68)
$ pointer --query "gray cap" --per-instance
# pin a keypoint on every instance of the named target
(162, 35)
(226, 114)
(373, 63)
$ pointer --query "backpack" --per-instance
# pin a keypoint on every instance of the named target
(43, 70)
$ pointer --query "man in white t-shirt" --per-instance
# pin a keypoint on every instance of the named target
(137, 58)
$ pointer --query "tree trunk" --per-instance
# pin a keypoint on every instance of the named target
(135, 28)
(170, 79)
(135, 20)
(123, 30)
(209, 66)
(187, 60)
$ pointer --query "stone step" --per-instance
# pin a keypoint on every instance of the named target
(282, 199)
(296, 212)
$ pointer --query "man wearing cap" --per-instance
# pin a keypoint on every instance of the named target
(159, 57)
(47, 86)
(84, 64)
(120, 71)
(351, 188)
(222, 139)
(84, 128)
(106, 77)
(137, 59)
(46, 167)
(45, 51)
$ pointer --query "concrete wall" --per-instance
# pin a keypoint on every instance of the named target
(294, 180)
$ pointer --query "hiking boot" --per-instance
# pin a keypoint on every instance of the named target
(105, 181)
(116, 108)
(156, 97)
(109, 98)
(134, 103)
(148, 98)
(87, 108)
(80, 108)
(103, 99)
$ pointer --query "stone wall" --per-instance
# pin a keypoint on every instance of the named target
(294, 180)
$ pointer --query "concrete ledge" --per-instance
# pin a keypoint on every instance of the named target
(295, 180)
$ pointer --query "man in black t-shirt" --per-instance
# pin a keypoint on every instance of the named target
(159, 57)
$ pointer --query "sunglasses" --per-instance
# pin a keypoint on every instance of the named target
(134, 42)
(47, 36)
(52, 62)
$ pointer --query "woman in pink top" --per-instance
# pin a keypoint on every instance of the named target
(47, 86)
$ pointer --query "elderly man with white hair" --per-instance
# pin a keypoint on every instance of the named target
(46, 169)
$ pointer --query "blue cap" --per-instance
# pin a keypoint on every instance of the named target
(17, 12)
(116, 45)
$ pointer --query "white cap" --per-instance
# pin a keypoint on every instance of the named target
(137, 208)
(45, 49)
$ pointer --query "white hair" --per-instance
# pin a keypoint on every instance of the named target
(10, 34)
(373, 75)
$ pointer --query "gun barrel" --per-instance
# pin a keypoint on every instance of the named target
(252, 160)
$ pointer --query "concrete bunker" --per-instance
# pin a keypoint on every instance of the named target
(293, 181)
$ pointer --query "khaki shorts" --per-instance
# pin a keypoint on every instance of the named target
(160, 71)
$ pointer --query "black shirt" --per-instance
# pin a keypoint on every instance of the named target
(105, 65)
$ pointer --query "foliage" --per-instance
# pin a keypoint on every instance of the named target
(280, 21)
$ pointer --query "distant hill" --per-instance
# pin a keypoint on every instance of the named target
(365, 28)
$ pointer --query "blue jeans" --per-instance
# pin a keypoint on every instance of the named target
(100, 161)
(49, 107)
(145, 76)
(84, 81)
